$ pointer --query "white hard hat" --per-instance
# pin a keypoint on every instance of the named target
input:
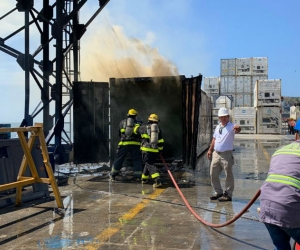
(223, 112)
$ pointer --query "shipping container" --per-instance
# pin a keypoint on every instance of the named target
(243, 100)
(244, 84)
(212, 92)
(227, 85)
(212, 85)
(260, 66)
(215, 122)
(268, 120)
(91, 112)
(244, 111)
(205, 124)
(246, 118)
(215, 112)
(228, 67)
(224, 101)
(255, 78)
(267, 93)
(177, 101)
(243, 66)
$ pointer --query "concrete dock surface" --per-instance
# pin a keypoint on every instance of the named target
(100, 214)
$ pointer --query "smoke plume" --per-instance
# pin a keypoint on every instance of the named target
(108, 53)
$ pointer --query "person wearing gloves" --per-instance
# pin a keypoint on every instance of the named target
(151, 146)
(130, 142)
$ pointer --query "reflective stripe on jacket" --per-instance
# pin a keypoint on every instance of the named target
(284, 179)
(132, 140)
(146, 146)
(291, 149)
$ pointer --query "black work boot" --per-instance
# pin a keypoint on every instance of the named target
(157, 183)
(112, 176)
(215, 196)
(225, 197)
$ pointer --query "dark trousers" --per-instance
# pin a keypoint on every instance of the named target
(149, 159)
(135, 154)
(281, 236)
(292, 130)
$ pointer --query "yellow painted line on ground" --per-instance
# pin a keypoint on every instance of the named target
(125, 218)
(266, 154)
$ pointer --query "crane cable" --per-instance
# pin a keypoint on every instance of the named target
(196, 215)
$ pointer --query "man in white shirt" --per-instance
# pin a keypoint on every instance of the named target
(220, 151)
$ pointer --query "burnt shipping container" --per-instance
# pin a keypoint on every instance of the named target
(175, 99)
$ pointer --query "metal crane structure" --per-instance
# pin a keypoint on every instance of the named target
(57, 23)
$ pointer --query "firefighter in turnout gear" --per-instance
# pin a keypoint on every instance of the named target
(151, 146)
(130, 142)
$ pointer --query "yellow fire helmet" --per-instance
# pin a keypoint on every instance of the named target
(132, 112)
(153, 117)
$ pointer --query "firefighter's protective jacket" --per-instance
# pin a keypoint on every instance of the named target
(131, 139)
(152, 140)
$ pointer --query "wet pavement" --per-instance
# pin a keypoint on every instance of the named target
(128, 215)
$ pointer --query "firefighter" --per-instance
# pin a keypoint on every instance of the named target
(130, 142)
(151, 146)
(280, 196)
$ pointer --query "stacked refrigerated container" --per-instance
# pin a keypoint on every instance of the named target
(223, 101)
(246, 118)
(211, 87)
(267, 101)
(255, 100)
(238, 77)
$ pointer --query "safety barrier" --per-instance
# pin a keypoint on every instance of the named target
(27, 161)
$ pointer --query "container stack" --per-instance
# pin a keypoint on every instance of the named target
(267, 101)
(238, 77)
(245, 90)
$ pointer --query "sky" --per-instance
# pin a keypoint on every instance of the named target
(135, 38)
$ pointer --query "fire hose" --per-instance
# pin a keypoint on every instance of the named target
(196, 215)
(237, 216)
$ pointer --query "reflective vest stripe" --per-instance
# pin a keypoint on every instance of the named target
(155, 175)
(290, 149)
(136, 128)
(145, 136)
(124, 143)
(284, 179)
(287, 152)
(154, 150)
